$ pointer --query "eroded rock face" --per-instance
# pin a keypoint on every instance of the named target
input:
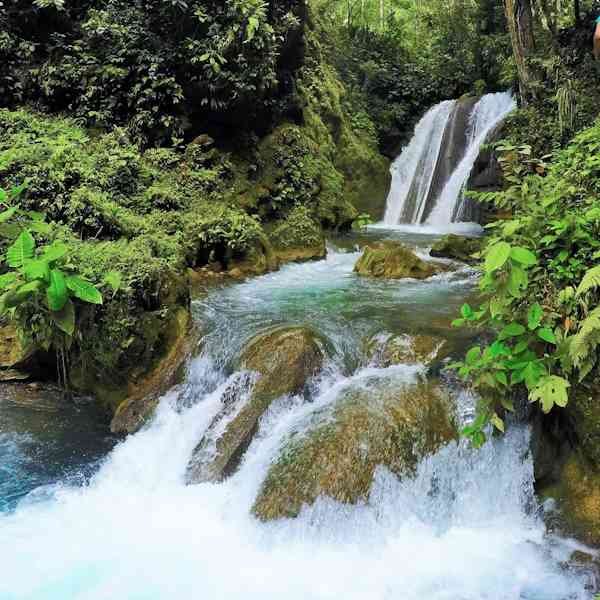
(143, 394)
(283, 359)
(13, 355)
(393, 260)
(394, 427)
(457, 247)
(386, 350)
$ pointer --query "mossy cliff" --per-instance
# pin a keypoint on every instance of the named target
(238, 203)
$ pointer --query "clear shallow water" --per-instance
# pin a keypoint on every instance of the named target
(466, 527)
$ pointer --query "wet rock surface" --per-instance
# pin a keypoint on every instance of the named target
(282, 359)
(395, 426)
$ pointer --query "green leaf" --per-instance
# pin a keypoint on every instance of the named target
(551, 390)
(84, 290)
(501, 378)
(114, 280)
(37, 269)
(22, 293)
(507, 404)
(496, 256)
(517, 281)
(547, 335)
(8, 214)
(55, 252)
(65, 318)
(40, 227)
(497, 422)
(523, 256)
(466, 311)
(7, 279)
(521, 347)
(21, 250)
(473, 355)
(534, 317)
(57, 293)
(512, 330)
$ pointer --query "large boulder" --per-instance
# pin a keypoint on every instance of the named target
(395, 427)
(284, 359)
(457, 247)
(393, 260)
(385, 350)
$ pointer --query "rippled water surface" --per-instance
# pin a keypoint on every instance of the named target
(466, 527)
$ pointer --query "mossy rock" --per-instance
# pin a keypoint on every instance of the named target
(387, 350)
(394, 427)
(457, 247)
(140, 397)
(584, 413)
(578, 495)
(284, 359)
(14, 356)
(393, 260)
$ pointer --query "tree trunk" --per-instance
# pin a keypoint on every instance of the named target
(520, 25)
(577, 9)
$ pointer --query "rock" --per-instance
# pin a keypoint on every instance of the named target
(143, 392)
(284, 358)
(578, 495)
(457, 247)
(386, 350)
(394, 427)
(393, 260)
(13, 354)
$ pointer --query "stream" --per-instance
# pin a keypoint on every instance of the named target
(86, 516)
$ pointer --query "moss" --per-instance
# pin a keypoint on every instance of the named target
(392, 260)
(394, 427)
(578, 496)
(457, 247)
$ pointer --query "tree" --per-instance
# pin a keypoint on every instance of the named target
(519, 17)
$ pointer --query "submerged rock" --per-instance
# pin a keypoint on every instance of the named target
(394, 427)
(457, 247)
(393, 260)
(284, 358)
(387, 350)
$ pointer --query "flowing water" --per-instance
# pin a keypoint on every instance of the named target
(466, 527)
(429, 177)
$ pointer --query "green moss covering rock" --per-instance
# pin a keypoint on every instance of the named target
(284, 359)
(13, 354)
(457, 247)
(394, 427)
(393, 260)
(577, 493)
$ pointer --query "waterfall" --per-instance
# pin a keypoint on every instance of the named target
(429, 177)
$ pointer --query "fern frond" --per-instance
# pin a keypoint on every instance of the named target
(590, 281)
(583, 344)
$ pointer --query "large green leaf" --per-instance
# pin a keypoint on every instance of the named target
(550, 391)
(21, 250)
(57, 293)
(496, 256)
(37, 269)
(84, 290)
(512, 330)
(54, 252)
(534, 316)
(523, 256)
(65, 318)
(114, 279)
(22, 293)
(517, 281)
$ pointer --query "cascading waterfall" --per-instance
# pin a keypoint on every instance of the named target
(465, 526)
(429, 177)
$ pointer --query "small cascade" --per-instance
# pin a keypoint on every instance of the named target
(429, 177)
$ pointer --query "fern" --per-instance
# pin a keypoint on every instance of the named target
(583, 344)
(590, 281)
